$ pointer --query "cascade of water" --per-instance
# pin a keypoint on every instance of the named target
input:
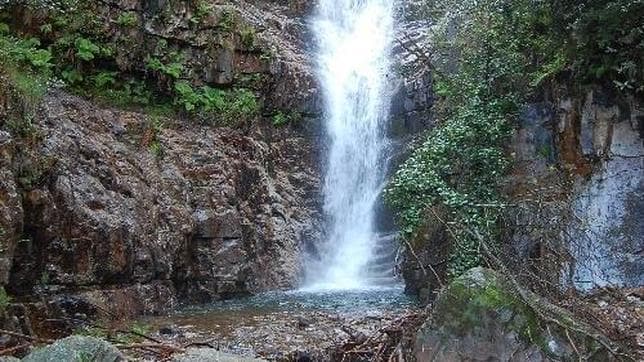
(354, 38)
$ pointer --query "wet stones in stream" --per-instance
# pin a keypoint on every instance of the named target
(293, 335)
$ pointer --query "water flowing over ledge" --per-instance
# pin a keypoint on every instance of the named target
(354, 39)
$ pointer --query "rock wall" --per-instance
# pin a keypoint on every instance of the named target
(219, 214)
(574, 216)
(96, 222)
(578, 186)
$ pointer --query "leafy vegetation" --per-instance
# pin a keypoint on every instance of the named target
(75, 48)
(490, 57)
(608, 40)
(281, 119)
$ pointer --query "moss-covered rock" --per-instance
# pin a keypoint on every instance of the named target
(479, 318)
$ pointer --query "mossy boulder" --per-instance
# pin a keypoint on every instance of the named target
(478, 318)
(77, 348)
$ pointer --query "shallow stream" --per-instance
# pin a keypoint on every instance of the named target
(281, 325)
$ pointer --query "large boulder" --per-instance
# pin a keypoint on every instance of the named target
(77, 348)
(479, 318)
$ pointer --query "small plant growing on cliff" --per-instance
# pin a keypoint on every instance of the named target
(202, 10)
(5, 300)
(247, 35)
(228, 20)
(186, 96)
(281, 119)
(27, 52)
(172, 69)
(128, 19)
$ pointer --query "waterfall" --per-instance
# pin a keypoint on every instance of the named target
(354, 39)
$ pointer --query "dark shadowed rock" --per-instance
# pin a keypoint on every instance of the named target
(11, 212)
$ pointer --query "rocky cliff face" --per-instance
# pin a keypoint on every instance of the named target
(574, 192)
(218, 214)
(214, 206)
(578, 183)
(117, 213)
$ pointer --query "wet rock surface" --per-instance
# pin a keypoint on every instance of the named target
(289, 326)
(576, 190)
(578, 160)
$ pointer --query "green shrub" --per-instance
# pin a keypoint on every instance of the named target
(609, 43)
(227, 20)
(86, 49)
(280, 119)
(26, 52)
(186, 96)
(202, 10)
(172, 69)
(247, 35)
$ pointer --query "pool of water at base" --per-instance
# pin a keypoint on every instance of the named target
(282, 322)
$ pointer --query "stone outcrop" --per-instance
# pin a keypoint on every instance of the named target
(578, 183)
(479, 318)
(77, 348)
(576, 186)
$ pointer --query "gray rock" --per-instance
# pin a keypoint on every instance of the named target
(9, 359)
(607, 235)
(211, 355)
(76, 348)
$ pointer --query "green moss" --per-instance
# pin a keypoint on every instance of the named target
(467, 305)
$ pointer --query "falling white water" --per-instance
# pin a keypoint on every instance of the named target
(354, 38)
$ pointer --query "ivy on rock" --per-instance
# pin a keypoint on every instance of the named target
(490, 56)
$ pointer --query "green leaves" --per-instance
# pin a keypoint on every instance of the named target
(128, 19)
(27, 51)
(459, 166)
(173, 69)
(186, 96)
(85, 49)
(230, 107)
